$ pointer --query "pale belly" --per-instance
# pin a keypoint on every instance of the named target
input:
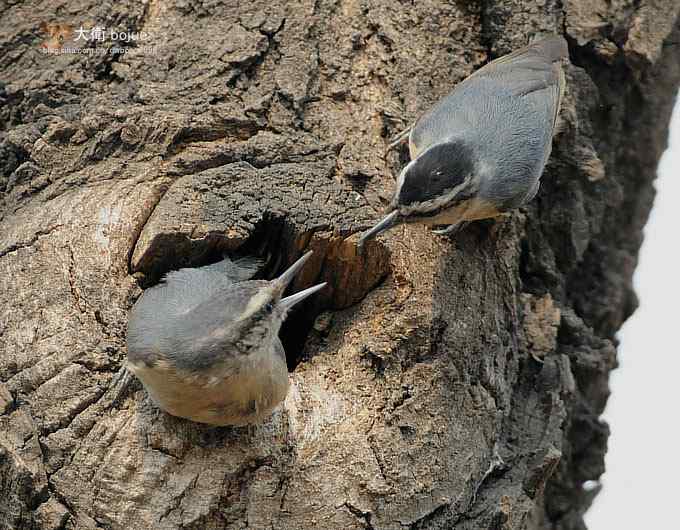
(240, 398)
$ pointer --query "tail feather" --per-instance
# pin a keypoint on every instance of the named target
(553, 47)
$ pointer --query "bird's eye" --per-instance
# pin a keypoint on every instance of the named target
(269, 307)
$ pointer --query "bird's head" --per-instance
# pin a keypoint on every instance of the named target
(264, 304)
(439, 178)
(244, 319)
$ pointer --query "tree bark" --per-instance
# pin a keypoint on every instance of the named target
(437, 383)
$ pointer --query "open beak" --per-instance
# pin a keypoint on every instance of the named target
(284, 280)
(388, 222)
(290, 301)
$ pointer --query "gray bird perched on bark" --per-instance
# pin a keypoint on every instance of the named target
(480, 151)
(205, 341)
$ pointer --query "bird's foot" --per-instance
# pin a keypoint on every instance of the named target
(398, 139)
(451, 229)
(119, 387)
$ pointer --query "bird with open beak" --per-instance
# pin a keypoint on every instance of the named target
(205, 343)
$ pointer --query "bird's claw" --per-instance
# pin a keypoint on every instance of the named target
(451, 229)
(398, 139)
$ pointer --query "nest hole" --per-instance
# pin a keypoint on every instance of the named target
(350, 274)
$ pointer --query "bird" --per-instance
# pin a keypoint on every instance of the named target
(204, 342)
(480, 151)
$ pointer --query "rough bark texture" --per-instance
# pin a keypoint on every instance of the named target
(437, 383)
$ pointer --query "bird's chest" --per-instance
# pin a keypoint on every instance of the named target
(469, 210)
(236, 392)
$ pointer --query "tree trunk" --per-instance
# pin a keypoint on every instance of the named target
(437, 383)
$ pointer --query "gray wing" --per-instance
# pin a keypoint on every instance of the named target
(549, 50)
(234, 271)
(532, 74)
(170, 320)
(534, 70)
(184, 289)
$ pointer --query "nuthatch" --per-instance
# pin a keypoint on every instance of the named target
(205, 342)
(480, 150)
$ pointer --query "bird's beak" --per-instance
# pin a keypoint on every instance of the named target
(284, 280)
(388, 222)
(290, 301)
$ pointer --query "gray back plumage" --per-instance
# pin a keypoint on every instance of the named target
(507, 111)
(183, 289)
(171, 319)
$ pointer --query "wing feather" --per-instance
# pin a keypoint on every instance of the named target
(183, 289)
(524, 72)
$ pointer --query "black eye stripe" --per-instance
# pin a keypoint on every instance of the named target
(436, 171)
